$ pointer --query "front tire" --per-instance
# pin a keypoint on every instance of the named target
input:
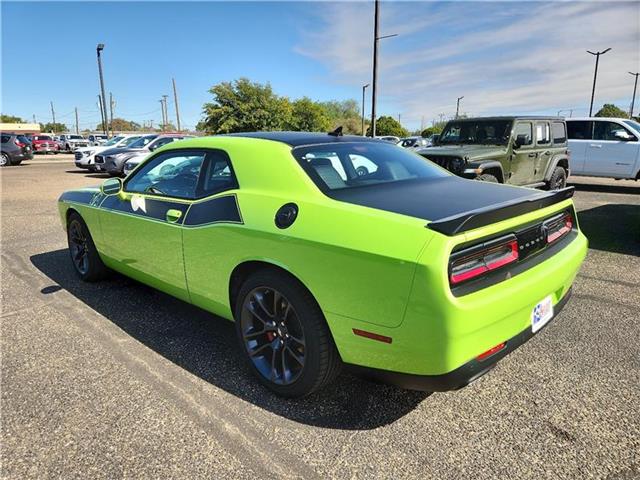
(84, 255)
(487, 177)
(558, 179)
(284, 336)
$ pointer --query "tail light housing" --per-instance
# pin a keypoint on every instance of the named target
(480, 259)
(19, 143)
(557, 228)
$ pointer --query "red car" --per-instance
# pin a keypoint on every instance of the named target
(44, 144)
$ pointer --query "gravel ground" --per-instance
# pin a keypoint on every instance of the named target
(116, 380)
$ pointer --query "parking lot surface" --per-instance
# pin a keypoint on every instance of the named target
(117, 380)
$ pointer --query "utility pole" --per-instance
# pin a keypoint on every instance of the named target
(595, 75)
(162, 110)
(458, 106)
(166, 111)
(111, 102)
(399, 117)
(77, 126)
(175, 100)
(633, 99)
(376, 39)
(364, 87)
(99, 48)
(34, 118)
(104, 120)
(53, 114)
(422, 123)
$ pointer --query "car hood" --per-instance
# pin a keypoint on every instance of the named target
(433, 199)
(472, 152)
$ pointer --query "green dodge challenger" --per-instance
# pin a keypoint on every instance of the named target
(330, 250)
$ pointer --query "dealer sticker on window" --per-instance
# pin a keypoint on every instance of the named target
(541, 314)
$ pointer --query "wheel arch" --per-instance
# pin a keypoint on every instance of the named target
(492, 167)
(557, 161)
(243, 270)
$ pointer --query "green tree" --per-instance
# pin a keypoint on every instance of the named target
(120, 125)
(242, 106)
(10, 119)
(308, 116)
(388, 126)
(53, 127)
(345, 113)
(610, 110)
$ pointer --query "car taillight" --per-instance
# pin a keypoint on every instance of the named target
(478, 260)
(20, 144)
(559, 228)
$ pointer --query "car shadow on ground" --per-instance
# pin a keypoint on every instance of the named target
(206, 346)
(89, 174)
(627, 188)
(612, 228)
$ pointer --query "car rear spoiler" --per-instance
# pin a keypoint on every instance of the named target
(481, 217)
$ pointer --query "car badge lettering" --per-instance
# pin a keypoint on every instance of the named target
(138, 202)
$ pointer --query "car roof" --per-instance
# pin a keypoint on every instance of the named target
(298, 139)
(510, 117)
(617, 119)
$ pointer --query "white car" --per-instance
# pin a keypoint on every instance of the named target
(604, 147)
(414, 143)
(96, 139)
(85, 157)
(70, 142)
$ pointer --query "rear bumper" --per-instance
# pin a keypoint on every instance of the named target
(461, 376)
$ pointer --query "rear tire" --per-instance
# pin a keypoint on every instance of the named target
(5, 160)
(284, 336)
(84, 254)
(558, 179)
(487, 177)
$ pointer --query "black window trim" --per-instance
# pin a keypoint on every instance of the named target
(553, 136)
(532, 125)
(620, 124)
(194, 152)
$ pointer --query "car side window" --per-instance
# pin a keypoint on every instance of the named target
(218, 174)
(172, 174)
(603, 130)
(543, 133)
(579, 130)
(526, 129)
(161, 142)
(5, 138)
(559, 133)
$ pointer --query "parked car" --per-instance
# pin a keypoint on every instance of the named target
(525, 151)
(409, 273)
(85, 157)
(604, 147)
(113, 160)
(14, 148)
(388, 138)
(97, 139)
(70, 142)
(59, 142)
(414, 143)
(44, 144)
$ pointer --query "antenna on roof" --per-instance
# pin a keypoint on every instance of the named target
(337, 132)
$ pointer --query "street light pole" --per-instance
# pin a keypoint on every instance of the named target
(99, 48)
(458, 106)
(364, 87)
(635, 87)
(166, 110)
(595, 75)
(374, 83)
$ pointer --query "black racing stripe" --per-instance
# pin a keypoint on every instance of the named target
(220, 209)
(153, 208)
(87, 197)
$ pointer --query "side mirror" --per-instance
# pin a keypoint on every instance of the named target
(520, 141)
(111, 186)
(622, 135)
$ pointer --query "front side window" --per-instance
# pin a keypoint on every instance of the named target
(559, 132)
(184, 174)
(524, 130)
(543, 133)
(360, 164)
(128, 141)
(5, 138)
(579, 130)
(610, 131)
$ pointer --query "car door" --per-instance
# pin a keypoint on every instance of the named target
(522, 158)
(607, 154)
(142, 226)
(580, 133)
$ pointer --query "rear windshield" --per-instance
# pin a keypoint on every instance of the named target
(354, 165)
(75, 137)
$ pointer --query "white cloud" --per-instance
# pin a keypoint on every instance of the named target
(503, 57)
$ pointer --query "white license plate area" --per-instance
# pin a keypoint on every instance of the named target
(541, 314)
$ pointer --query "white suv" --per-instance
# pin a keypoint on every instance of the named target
(85, 157)
(604, 147)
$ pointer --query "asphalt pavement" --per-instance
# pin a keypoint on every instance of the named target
(116, 380)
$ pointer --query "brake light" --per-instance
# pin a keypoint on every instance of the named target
(19, 143)
(492, 351)
(483, 259)
(559, 229)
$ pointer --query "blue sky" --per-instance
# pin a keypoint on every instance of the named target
(504, 57)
